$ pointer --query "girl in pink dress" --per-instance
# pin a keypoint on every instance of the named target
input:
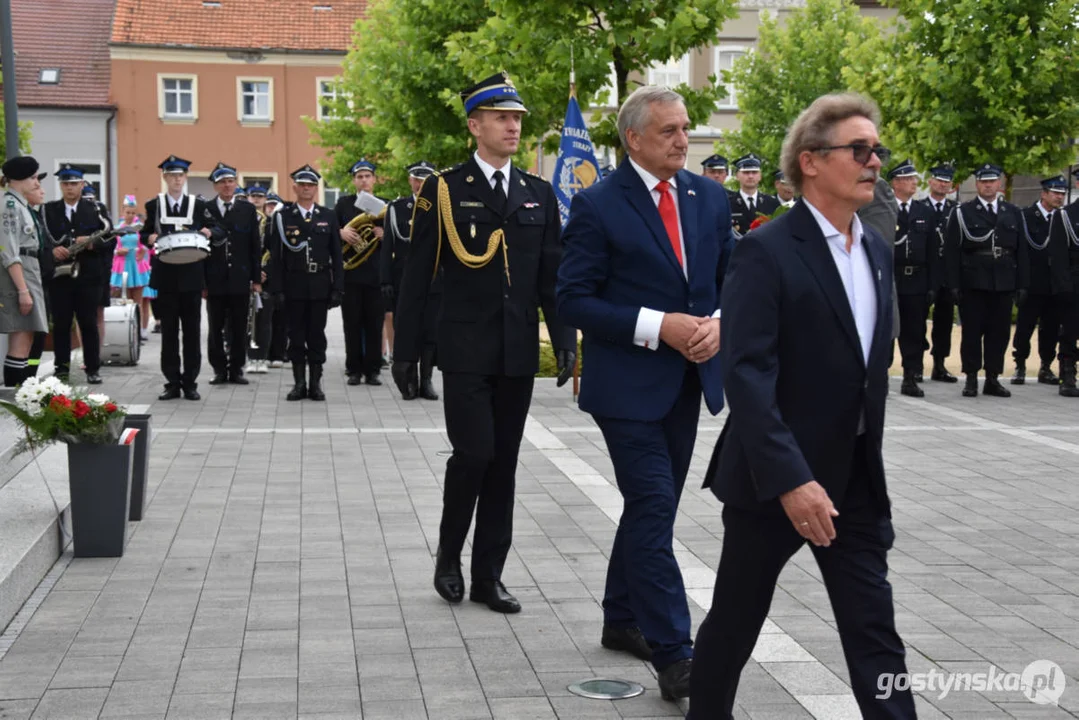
(132, 258)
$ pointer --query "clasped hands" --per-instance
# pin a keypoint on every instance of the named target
(697, 338)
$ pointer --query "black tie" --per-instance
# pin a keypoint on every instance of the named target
(228, 206)
(992, 213)
(500, 193)
(903, 212)
(176, 209)
(749, 204)
(938, 207)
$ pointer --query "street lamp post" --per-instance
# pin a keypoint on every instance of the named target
(11, 107)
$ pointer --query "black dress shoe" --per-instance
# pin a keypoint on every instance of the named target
(192, 394)
(238, 379)
(314, 391)
(171, 393)
(1046, 376)
(941, 374)
(354, 379)
(674, 680)
(219, 379)
(494, 594)
(373, 379)
(298, 392)
(449, 582)
(628, 639)
(993, 388)
(910, 386)
(93, 378)
(970, 389)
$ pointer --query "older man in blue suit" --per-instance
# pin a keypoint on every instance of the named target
(642, 268)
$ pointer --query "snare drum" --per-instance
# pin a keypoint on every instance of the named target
(120, 345)
(182, 248)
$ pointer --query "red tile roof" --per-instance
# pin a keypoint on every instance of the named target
(71, 35)
(297, 25)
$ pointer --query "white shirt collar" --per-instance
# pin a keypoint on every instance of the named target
(306, 212)
(488, 170)
(72, 206)
(829, 230)
(221, 204)
(988, 205)
(650, 180)
(747, 198)
(1046, 212)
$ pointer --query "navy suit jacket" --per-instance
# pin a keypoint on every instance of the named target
(793, 367)
(616, 259)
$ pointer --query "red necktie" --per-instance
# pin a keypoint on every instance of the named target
(669, 216)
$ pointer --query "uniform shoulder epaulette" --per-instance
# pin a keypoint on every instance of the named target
(534, 175)
(448, 170)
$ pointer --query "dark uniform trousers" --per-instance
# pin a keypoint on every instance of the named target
(306, 330)
(914, 278)
(488, 342)
(943, 304)
(1065, 281)
(234, 264)
(987, 273)
(72, 299)
(180, 311)
(361, 315)
(913, 310)
(227, 317)
(279, 331)
(855, 573)
(1041, 308)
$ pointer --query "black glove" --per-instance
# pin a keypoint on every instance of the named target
(930, 297)
(407, 378)
(957, 295)
(1020, 297)
(335, 298)
(388, 297)
(566, 360)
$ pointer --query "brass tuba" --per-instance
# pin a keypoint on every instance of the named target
(372, 211)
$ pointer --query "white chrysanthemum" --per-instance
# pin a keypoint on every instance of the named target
(97, 398)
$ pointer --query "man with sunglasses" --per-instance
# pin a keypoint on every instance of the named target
(985, 270)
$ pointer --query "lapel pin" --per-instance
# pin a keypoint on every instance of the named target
(691, 193)
(878, 274)
(522, 181)
(469, 179)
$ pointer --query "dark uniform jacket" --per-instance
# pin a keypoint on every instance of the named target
(489, 323)
(368, 272)
(305, 256)
(914, 269)
(396, 242)
(741, 217)
(939, 221)
(1064, 249)
(166, 277)
(994, 264)
(84, 221)
(235, 250)
(1035, 244)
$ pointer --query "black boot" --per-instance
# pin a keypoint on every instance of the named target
(427, 367)
(940, 373)
(993, 388)
(1046, 376)
(299, 375)
(1067, 381)
(314, 390)
(910, 385)
(1020, 376)
(971, 388)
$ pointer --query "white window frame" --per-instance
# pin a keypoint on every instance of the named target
(323, 188)
(244, 182)
(731, 101)
(319, 95)
(683, 71)
(98, 177)
(176, 118)
(254, 120)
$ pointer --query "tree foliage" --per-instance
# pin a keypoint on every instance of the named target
(795, 62)
(971, 82)
(24, 135)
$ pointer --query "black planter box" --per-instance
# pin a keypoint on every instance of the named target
(100, 481)
(140, 469)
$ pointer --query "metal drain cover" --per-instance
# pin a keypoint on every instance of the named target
(604, 689)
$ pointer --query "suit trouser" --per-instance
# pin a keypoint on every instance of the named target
(943, 321)
(227, 314)
(485, 420)
(644, 583)
(307, 331)
(361, 314)
(1069, 327)
(987, 317)
(71, 299)
(912, 313)
(176, 310)
(756, 546)
(1043, 311)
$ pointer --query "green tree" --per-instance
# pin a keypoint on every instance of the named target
(970, 82)
(795, 62)
(24, 135)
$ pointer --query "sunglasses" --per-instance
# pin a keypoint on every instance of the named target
(861, 152)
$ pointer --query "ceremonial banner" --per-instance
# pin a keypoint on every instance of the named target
(576, 167)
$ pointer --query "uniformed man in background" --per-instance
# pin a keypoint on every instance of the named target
(394, 253)
(495, 232)
(784, 190)
(715, 167)
(747, 202)
(986, 273)
(1064, 264)
(941, 208)
(233, 272)
(1041, 307)
(914, 279)
(361, 310)
(306, 272)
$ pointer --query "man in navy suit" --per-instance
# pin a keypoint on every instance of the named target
(807, 316)
(643, 262)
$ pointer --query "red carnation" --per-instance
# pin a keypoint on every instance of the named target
(59, 403)
(761, 219)
(81, 410)
(110, 407)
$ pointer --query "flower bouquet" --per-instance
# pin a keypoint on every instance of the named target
(762, 218)
(49, 411)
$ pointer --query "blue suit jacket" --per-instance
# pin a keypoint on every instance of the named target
(794, 372)
(616, 259)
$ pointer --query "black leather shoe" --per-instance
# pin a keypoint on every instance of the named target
(314, 391)
(941, 374)
(238, 379)
(171, 393)
(674, 680)
(494, 594)
(449, 582)
(373, 379)
(219, 379)
(298, 392)
(992, 387)
(1046, 376)
(628, 639)
(192, 394)
(354, 379)
(971, 387)
(93, 378)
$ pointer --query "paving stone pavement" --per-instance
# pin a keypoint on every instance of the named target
(283, 568)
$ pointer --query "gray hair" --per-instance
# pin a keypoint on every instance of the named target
(636, 110)
(814, 127)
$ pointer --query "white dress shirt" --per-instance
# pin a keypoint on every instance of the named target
(938, 205)
(989, 206)
(306, 212)
(71, 209)
(747, 198)
(1046, 212)
(488, 171)
(221, 205)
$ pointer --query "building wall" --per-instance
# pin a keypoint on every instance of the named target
(271, 149)
(68, 135)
